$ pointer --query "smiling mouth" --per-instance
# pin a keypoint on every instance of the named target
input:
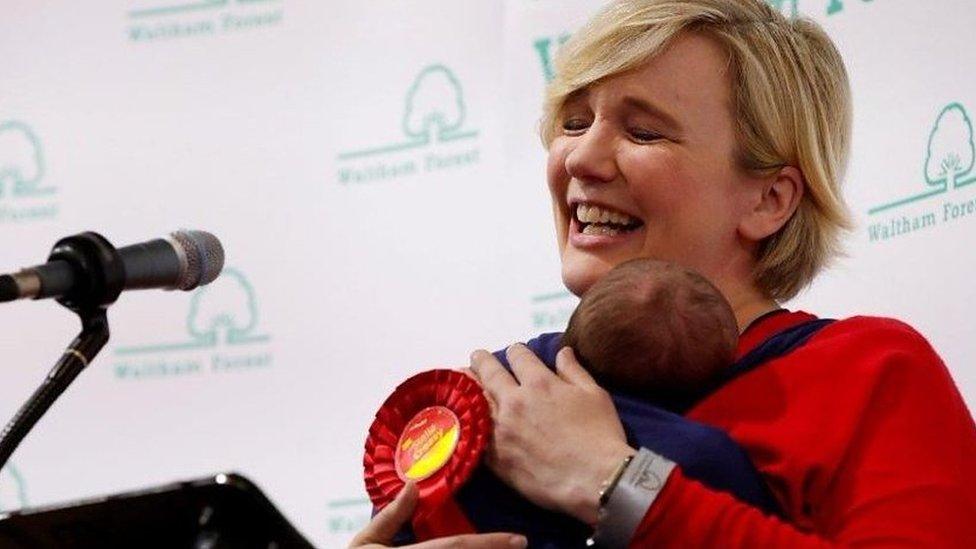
(598, 220)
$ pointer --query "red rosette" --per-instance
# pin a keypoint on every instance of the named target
(433, 430)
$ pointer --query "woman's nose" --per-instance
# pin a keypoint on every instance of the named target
(591, 160)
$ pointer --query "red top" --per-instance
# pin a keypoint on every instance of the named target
(861, 435)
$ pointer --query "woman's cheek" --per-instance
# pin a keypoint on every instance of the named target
(558, 182)
(556, 167)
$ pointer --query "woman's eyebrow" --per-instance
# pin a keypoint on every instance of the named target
(576, 97)
(651, 109)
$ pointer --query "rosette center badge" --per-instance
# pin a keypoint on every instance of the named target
(427, 443)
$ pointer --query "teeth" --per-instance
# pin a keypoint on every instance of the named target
(595, 214)
(600, 230)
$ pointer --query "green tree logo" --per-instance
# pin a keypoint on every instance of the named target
(949, 158)
(434, 110)
(21, 160)
(434, 106)
(224, 311)
(951, 153)
(13, 490)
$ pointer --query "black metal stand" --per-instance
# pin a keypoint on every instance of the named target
(100, 274)
(80, 352)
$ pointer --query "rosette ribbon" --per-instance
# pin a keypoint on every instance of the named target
(432, 430)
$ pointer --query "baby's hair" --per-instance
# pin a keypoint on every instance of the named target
(659, 313)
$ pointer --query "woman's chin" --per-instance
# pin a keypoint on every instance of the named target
(581, 270)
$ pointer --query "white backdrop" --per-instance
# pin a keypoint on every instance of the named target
(364, 245)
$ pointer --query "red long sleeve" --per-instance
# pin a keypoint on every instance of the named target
(862, 437)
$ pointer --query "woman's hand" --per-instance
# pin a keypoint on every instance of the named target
(380, 531)
(557, 436)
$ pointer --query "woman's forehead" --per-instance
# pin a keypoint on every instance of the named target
(690, 75)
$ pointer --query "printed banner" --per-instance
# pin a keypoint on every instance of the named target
(375, 173)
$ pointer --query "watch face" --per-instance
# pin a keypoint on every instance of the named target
(648, 477)
(648, 480)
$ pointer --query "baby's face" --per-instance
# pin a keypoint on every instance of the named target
(653, 330)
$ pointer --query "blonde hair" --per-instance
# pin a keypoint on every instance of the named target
(791, 100)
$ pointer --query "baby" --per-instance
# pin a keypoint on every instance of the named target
(650, 330)
(654, 330)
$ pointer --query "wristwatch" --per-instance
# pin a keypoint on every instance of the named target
(627, 495)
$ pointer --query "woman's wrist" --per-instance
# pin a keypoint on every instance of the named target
(583, 497)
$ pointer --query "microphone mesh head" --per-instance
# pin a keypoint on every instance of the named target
(204, 258)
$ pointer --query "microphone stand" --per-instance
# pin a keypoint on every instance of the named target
(100, 277)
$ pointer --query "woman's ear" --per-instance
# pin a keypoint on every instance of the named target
(779, 198)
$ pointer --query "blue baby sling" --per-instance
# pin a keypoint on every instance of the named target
(705, 453)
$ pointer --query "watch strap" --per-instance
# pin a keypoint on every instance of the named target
(628, 500)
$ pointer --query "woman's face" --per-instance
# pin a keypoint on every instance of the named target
(644, 166)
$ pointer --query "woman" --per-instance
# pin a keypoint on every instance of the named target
(714, 134)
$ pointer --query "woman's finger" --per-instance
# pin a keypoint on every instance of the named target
(388, 522)
(570, 370)
(491, 401)
(470, 373)
(528, 369)
(475, 541)
(493, 376)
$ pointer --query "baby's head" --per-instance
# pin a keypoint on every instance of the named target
(655, 330)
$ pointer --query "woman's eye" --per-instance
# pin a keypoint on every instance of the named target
(644, 136)
(575, 124)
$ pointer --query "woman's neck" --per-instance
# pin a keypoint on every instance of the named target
(748, 304)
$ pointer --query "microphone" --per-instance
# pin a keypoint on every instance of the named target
(184, 260)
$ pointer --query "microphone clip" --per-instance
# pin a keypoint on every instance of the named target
(98, 270)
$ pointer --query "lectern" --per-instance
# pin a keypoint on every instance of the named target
(220, 512)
